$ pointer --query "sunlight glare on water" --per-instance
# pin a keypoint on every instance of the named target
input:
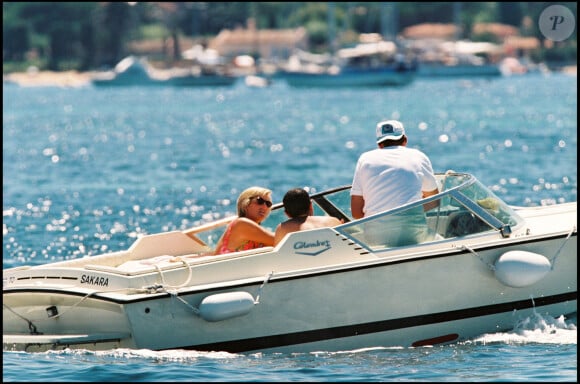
(86, 171)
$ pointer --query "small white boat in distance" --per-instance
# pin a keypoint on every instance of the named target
(131, 71)
(469, 265)
(255, 81)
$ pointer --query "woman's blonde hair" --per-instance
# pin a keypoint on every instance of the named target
(246, 196)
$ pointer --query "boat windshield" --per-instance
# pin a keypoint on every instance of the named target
(463, 207)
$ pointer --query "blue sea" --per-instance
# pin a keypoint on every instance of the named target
(86, 170)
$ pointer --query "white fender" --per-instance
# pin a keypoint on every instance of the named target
(224, 306)
(521, 268)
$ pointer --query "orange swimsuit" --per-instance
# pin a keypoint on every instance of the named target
(249, 244)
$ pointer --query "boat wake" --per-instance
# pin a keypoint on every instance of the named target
(537, 329)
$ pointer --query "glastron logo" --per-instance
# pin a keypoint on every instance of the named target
(316, 247)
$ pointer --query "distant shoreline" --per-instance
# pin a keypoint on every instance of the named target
(49, 78)
(80, 79)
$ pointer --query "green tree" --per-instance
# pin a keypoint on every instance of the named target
(510, 13)
(113, 24)
(86, 35)
(59, 24)
(15, 41)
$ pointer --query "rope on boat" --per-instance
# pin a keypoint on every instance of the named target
(553, 261)
(149, 289)
(175, 294)
(34, 330)
(164, 285)
(490, 266)
(266, 279)
(31, 326)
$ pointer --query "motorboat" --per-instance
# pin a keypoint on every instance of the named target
(440, 270)
(456, 59)
(203, 80)
(203, 76)
(374, 64)
(257, 81)
(135, 71)
(131, 71)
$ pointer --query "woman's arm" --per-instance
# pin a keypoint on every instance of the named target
(245, 229)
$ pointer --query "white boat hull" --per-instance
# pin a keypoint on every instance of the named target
(317, 290)
(378, 303)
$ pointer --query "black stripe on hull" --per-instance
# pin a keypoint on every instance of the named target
(276, 341)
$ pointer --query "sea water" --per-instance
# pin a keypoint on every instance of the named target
(87, 170)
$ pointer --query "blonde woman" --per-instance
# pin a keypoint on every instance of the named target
(245, 232)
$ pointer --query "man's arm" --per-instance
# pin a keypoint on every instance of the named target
(357, 204)
(433, 204)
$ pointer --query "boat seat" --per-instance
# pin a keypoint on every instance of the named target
(175, 243)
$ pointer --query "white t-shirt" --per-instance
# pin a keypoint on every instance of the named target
(389, 177)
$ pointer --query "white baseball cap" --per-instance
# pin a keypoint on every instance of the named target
(389, 130)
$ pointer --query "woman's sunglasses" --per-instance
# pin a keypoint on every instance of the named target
(262, 201)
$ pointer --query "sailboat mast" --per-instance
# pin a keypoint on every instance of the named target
(331, 28)
(457, 19)
(389, 20)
